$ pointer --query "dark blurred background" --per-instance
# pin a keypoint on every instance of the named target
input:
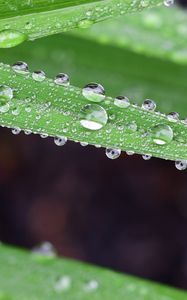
(127, 214)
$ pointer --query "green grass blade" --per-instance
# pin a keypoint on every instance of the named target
(38, 279)
(157, 32)
(34, 19)
(55, 111)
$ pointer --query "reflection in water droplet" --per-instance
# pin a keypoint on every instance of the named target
(94, 92)
(93, 117)
(162, 134)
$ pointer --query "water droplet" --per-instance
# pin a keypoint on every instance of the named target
(6, 93)
(16, 130)
(62, 284)
(168, 2)
(144, 3)
(149, 104)
(4, 106)
(130, 152)
(84, 144)
(60, 140)
(20, 67)
(162, 134)
(91, 286)
(85, 23)
(112, 153)
(43, 135)
(93, 117)
(94, 92)
(62, 79)
(15, 111)
(38, 76)
(27, 131)
(146, 157)
(11, 38)
(181, 164)
(121, 101)
(44, 252)
(173, 117)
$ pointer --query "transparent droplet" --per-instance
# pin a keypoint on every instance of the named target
(44, 252)
(84, 144)
(130, 152)
(11, 38)
(85, 23)
(173, 116)
(94, 92)
(60, 140)
(93, 117)
(112, 153)
(146, 157)
(144, 3)
(27, 131)
(38, 76)
(20, 67)
(6, 93)
(168, 2)
(63, 284)
(162, 134)
(149, 104)
(62, 79)
(43, 135)
(181, 164)
(121, 101)
(15, 111)
(91, 286)
(4, 106)
(16, 130)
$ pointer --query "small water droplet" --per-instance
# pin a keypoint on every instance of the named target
(84, 144)
(6, 93)
(85, 23)
(181, 164)
(62, 284)
(121, 101)
(146, 156)
(11, 38)
(20, 67)
(112, 153)
(16, 130)
(173, 116)
(130, 152)
(162, 134)
(43, 135)
(38, 76)
(91, 286)
(60, 140)
(149, 104)
(168, 3)
(144, 3)
(62, 79)
(44, 252)
(15, 111)
(93, 117)
(27, 131)
(94, 92)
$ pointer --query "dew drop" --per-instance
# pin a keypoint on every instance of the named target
(149, 104)
(43, 135)
(91, 286)
(60, 140)
(146, 157)
(181, 164)
(173, 117)
(144, 3)
(85, 23)
(27, 131)
(63, 284)
(121, 101)
(11, 38)
(44, 252)
(62, 79)
(162, 134)
(20, 67)
(112, 153)
(93, 117)
(168, 3)
(130, 152)
(16, 130)
(38, 76)
(15, 111)
(6, 93)
(84, 144)
(94, 92)
(4, 106)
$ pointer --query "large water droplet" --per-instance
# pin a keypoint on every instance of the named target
(112, 153)
(94, 92)
(20, 67)
(38, 76)
(181, 164)
(121, 101)
(62, 79)
(60, 140)
(6, 93)
(162, 134)
(93, 117)
(11, 38)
